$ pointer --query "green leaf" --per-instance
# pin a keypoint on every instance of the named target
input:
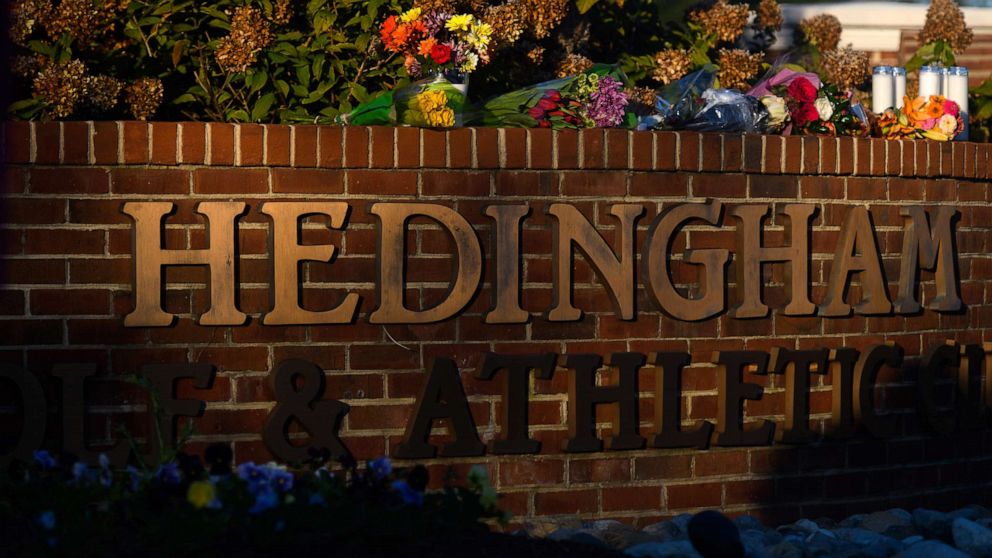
(585, 5)
(258, 81)
(262, 107)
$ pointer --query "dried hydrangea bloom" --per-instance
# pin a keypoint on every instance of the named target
(536, 55)
(945, 21)
(249, 35)
(282, 12)
(822, 30)
(642, 100)
(25, 17)
(770, 15)
(103, 92)
(507, 21)
(144, 96)
(61, 86)
(671, 65)
(846, 67)
(543, 15)
(726, 21)
(27, 67)
(737, 67)
(573, 64)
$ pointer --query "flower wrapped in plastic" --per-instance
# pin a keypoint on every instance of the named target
(595, 98)
(935, 118)
(437, 102)
(692, 103)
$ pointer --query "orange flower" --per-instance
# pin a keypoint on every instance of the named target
(914, 109)
(935, 108)
(426, 45)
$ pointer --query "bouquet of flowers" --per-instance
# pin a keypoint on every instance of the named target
(592, 99)
(935, 118)
(443, 49)
(803, 108)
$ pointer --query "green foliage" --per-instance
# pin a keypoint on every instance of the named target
(937, 52)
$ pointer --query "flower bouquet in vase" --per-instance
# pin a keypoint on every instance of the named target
(440, 50)
(933, 117)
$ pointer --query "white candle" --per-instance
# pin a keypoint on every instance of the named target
(957, 91)
(931, 81)
(900, 73)
(883, 89)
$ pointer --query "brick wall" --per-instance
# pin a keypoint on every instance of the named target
(66, 285)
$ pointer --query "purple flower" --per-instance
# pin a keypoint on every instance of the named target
(410, 496)
(44, 460)
(434, 22)
(380, 467)
(168, 473)
(606, 104)
(283, 480)
(251, 473)
(458, 52)
(80, 472)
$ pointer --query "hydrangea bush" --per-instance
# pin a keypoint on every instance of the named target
(60, 507)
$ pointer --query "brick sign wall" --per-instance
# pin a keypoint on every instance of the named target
(67, 283)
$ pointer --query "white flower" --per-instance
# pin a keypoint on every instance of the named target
(948, 124)
(777, 111)
(824, 108)
(471, 62)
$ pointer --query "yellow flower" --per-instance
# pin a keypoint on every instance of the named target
(432, 100)
(461, 22)
(200, 494)
(410, 15)
(471, 62)
(444, 118)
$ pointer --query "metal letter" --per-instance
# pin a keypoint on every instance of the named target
(797, 366)
(935, 361)
(506, 287)
(34, 413)
(584, 395)
(668, 406)
(856, 251)
(516, 391)
(73, 378)
(928, 248)
(321, 419)
(731, 395)
(865, 375)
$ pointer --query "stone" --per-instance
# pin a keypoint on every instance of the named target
(745, 522)
(932, 524)
(931, 549)
(610, 525)
(802, 526)
(754, 543)
(670, 549)
(852, 521)
(583, 536)
(682, 521)
(786, 549)
(715, 536)
(546, 525)
(971, 512)
(664, 531)
(621, 540)
(972, 537)
(880, 521)
(912, 540)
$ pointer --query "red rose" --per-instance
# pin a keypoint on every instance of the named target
(441, 53)
(802, 90)
(547, 104)
(804, 114)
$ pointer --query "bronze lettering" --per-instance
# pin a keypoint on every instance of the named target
(516, 391)
(506, 289)
(732, 391)
(751, 254)
(668, 406)
(150, 259)
(73, 377)
(391, 284)
(573, 230)
(288, 255)
(584, 395)
(856, 252)
(163, 378)
(865, 375)
(321, 419)
(797, 367)
(442, 397)
(656, 268)
(928, 248)
(935, 361)
(842, 363)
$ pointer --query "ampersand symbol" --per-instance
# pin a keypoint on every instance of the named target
(321, 419)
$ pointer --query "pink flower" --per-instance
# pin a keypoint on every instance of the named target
(950, 107)
(535, 112)
(783, 77)
(547, 104)
(928, 124)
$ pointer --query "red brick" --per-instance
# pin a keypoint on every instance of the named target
(666, 151)
(733, 153)
(75, 143)
(828, 155)
(63, 241)
(307, 181)
(716, 462)
(251, 148)
(720, 185)
(526, 184)
(32, 211)
(69, 181)
(567, 142)
(773, 186)
(514, 148)
(441, 183)
(193, 138)
(149, 181)
(407, 148)
(383, 357)
(754, 156)
(394, 183)
(687, 496)
(662, 467)
(356, 147)
(531, 472)
(461, 143)
(69, 302)
(165, 136)
(17, 142)
(48, 138)
(30, 332)
(539, 143)
(631, 498)
(689, 151)
(135, 143)
(592, 148)
(278, 145)
(305, 146)
(434, 150)
(811, 155)
(230, 181)
(599, 470)
(383, 147)
(566, 502)
(590, 183)
(793, 154)
(32, 272)
(846, 155)
(659, 184)
(774, 157)
(487, 148)
(617, 154)
(330, 139)
(221, 143)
